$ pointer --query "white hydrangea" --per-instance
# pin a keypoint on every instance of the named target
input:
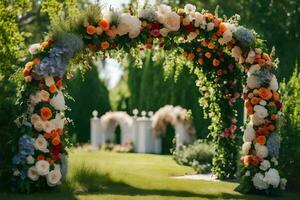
(264, 165)
(129, 24)
(249, 133)
(261, 150)
(273, 84)
(261, 111)
(258, 182)
(274, 161)
(272, 177)
(246, 147)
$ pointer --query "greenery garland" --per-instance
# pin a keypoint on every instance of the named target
(219, 51)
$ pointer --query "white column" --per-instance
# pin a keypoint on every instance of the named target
(182, 137)
(95, 125)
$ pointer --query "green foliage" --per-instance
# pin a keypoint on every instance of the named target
(290, 129)
(90, 94)
(199, 155)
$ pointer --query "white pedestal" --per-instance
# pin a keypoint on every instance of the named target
(182, 137)
(96, 133)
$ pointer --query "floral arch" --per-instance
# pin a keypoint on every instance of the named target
(219, 52)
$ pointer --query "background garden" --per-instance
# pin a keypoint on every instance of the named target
(23, 22)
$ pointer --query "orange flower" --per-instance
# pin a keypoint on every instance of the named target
(44, 45)
(216, 62)
(54, 133)
(50, 161)
(222, 27)
(26, 72)
(261, 61)
(261, 139)
(46, 113)
(199, 50)
(52, 88)
(149, 46)
(254, 160)
(208, 55)
(255, 100)
(265, 93)
(40, 157)
(104, 45)
(47, 136)
(214, 37)
(200, 61)
(191, 56)
(56, 141)
(180, 11)
(104, 24)
(36, 60)
(211, 45)
(273, 117)
(247, 160)
(276, 96)
(184, 54)
(91, 30)
(59, 84)
(250, 110)
(219, 72)
(29, 65)
(209, 16)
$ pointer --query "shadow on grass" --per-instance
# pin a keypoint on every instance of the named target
(86, 181)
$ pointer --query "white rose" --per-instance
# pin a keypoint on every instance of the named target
(39, 125)
(273, 84)
(256, 120)
(258, 50)
(41, 144)
(261, 150)
(29, 160)
(272, 177)
(35, 99)
(48, 126)
(252, 82)
(42, 167)
(58, 122)
(34, 48)
(135, 29)
(283, 183)
(189, 8)
(49, 81)
(43, 95)
(199, 19)
(32, 173)
(163, 9)
(258, 182)
(58, 101)
(172, 21)
(251, 57)
(34, 118)
(226, 37)
(210, 26)
(54, 177)
(253, 69)
(246, 147)
(249, 133)
(236, 53)
(264, 165)
(261, 111)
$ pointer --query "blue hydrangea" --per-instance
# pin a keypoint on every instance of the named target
(273, 145)
(263, 76)
(26, 148)
(244, 36)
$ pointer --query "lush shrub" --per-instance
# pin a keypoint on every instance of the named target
(290, 130)
(198, 155)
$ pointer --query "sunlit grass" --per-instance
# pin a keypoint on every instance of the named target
(104, 175)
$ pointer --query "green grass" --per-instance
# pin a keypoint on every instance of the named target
(110, 176)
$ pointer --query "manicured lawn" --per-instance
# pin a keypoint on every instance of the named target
(110, 176)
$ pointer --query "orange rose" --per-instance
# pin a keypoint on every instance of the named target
(255, 100)
(47, 136)
(276, 96)
(56, 141)
(261, 139)
(247, 160)
(52, 88)
(265, 93)
(273, 117)
(216, 62)
(26, 72)
(59, 84)
(91, 30)
(180, 11)
(208, 55)
(250, 110)
(200, 61)
(46, 113)
(44, 45)
(254, 160)
(209, 16)
(29, 65)
(222, 27)
(184, 54)
(104, 45)
(211, 45)
(54, 133)
(104, 24)
(191, 56)
(40, 157)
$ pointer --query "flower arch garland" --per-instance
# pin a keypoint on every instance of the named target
(220, 52)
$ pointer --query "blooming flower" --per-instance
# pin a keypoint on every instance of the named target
(261, 111)
(32, 173)
(46, 113)
(42, 167)
(41, 144)
(272, 177)
(258, 181)
(54, 177)
(249, 133)
(58, 101)
(34, 48)
(264, 165)
(261, 151)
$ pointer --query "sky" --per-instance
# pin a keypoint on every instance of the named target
(112, 71)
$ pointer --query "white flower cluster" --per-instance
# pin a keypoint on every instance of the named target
(269, 178)
(173, 115)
